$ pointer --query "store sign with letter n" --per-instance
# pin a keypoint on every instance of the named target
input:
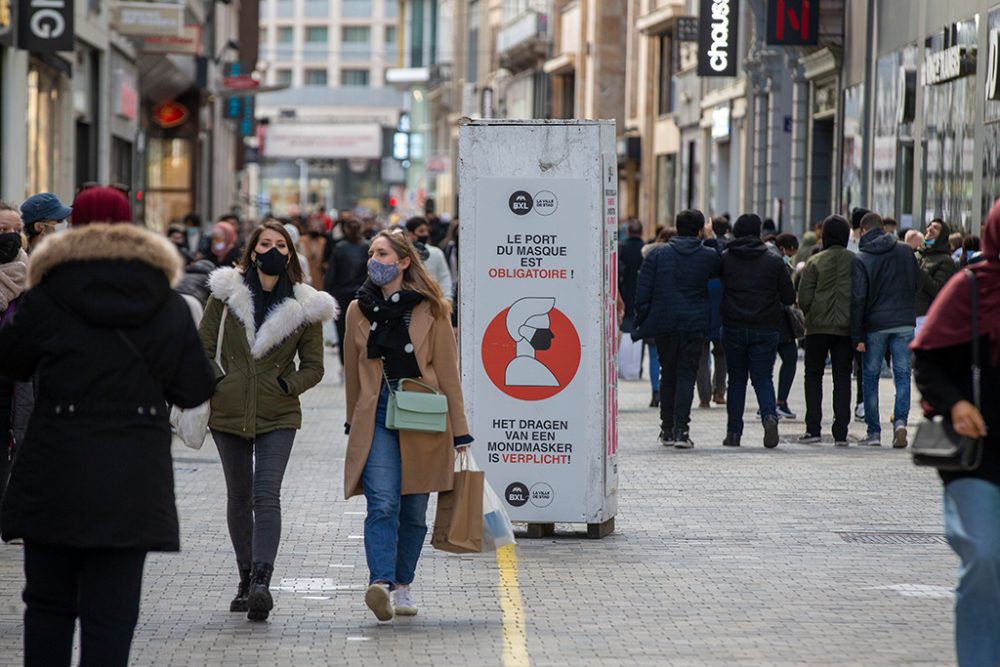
(793, 22)
(717, 31)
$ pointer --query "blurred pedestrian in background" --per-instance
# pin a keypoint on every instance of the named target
(91, 490)
(271, 317)
(942, 357)
(788, 347)
(43, 214)
(346, 270)
(16, 398)
(936, 266)
(224, 250)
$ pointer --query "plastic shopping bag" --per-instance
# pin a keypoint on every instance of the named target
(498, 530)
(629, 358)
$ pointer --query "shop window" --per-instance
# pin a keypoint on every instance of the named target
(283, 76)
(895, 93)
(354, 77)
(315, 77)
(851, 148)
(666, 175)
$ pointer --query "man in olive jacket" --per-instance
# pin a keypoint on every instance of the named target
(936, 266)
(825, 298)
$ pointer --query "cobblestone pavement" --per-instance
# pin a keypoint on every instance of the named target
(721, 557)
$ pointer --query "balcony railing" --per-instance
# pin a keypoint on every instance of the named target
(528, 28)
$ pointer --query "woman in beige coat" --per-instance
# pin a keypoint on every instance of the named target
(398, 327)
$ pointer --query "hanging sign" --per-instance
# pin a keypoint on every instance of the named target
(717, 36)
(169, 114)
(793, 22)
(45, 26)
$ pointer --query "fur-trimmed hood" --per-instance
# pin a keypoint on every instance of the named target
(108, 275)
(307, 306)
(108, 242)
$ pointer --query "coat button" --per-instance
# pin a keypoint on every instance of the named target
(58, 409)
(152, 411)
(72, 408)
(140, 410)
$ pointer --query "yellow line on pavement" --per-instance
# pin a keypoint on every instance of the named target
(515, 642)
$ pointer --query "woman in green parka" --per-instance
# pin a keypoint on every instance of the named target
(271, 317)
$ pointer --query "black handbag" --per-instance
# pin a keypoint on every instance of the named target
(796, 321)
(936, 444)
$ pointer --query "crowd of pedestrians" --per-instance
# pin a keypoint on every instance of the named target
(855, 297)
(105, 325)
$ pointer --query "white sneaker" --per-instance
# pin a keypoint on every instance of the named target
(378, 600)
(405, 606)
(859, 412)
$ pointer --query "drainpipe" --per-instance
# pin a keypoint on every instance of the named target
(868, 102)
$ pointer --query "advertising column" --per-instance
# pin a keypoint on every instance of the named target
(538, 290)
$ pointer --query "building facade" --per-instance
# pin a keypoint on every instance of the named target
(334, 55)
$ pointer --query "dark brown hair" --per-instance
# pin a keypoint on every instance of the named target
(293, 268)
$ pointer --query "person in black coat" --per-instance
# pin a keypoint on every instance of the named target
(672, 307)
(942, 358)
(756, 290)
(91, 490)
(346, 272)
(629, 262)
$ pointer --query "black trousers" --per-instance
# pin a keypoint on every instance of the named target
(712, 377)
(679, 355)
(842, 356)
(788, 352)
(101, 587)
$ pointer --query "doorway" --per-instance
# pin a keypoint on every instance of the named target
(821, 180)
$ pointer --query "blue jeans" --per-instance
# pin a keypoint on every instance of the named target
(750, 353)
(395, 525)
(654, 368)
(899, 349)
(972, 523)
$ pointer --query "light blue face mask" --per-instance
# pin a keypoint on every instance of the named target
(788, 260)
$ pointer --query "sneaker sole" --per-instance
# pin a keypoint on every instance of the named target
(406, 611)
(683, 445)
(810, 440)
(770, 436)
(377, 599)
(899, 440)
(841, 443)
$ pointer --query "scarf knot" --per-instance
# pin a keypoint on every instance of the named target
(389, 336)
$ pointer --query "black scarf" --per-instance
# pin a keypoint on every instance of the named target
(264, 302)
(389, 337)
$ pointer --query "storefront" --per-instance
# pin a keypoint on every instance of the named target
(170, 159)
(49, 124)
(893, 147)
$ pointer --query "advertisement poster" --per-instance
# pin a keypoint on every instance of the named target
(538, 363)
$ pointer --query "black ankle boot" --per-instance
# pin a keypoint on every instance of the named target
(655, 402)
(239, 602)
(259, 602)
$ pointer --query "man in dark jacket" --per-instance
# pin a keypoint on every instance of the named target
(883, 313)
(825, 298)
(936, 266)
(629, 261)
(672, 306)
(757, 288)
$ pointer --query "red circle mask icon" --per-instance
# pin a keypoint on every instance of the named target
(531, 350)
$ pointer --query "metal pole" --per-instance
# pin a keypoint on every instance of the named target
(868, 105)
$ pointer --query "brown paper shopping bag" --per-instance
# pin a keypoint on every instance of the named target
(458, 525)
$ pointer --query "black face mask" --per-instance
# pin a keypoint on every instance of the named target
(272, 262)
(424, 239)
(542, 339)
(10, 245)
(315, 235)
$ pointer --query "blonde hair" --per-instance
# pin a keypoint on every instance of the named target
(415, 276)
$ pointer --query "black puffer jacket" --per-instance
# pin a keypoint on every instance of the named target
(884, 282)
(672, 291)
(757, 286)
(111, 344)
(936, 268)
(347, 270)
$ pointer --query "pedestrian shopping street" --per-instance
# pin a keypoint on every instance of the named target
(801, 555)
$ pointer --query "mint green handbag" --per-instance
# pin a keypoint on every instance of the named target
(416, 410)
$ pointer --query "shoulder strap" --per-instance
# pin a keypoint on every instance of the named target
(976, 369)
(222, 331)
